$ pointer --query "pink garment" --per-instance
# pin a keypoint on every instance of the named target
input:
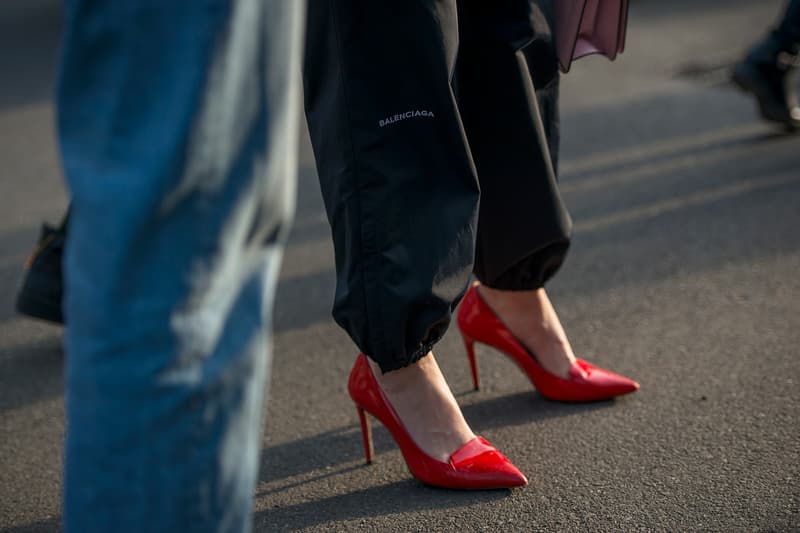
(586, 27)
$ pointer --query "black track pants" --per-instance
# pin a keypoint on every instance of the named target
(787, 34)
(434, 126)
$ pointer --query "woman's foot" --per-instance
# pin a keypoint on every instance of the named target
(426, 406)
(531, 318)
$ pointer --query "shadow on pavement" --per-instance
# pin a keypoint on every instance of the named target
(599, 170)
(393, 498)
(343, 445)
(49, 525)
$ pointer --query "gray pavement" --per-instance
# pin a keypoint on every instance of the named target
(683, 274)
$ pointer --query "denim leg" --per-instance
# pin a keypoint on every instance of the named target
(177, 124)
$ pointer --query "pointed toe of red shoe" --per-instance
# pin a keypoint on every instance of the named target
(600, 384)
(479, 465)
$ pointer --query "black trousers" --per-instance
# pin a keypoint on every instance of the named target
(787, 32)
(435, 129)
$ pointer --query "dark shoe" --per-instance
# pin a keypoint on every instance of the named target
(768, 74)
(41, 292)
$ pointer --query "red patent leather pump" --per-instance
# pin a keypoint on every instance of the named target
(476, 465)
(586, 382)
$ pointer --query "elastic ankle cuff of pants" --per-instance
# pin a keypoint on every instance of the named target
(533, 271)
(396, 364)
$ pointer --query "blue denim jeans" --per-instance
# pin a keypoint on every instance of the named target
(177, 122)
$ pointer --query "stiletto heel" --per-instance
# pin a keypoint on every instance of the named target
(585, 383)
(366, 434)
(469, 344)
(476, 465)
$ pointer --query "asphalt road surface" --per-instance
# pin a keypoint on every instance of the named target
(683, 274)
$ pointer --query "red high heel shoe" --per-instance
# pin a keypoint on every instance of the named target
(586, 382)
(476, 465)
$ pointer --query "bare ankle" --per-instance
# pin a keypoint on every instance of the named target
(530, 316)
(423, 401)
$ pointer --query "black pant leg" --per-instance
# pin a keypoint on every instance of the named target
(787, 34)
(397, 178)
(507, 87)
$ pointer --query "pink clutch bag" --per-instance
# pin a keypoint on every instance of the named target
(586, 27)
